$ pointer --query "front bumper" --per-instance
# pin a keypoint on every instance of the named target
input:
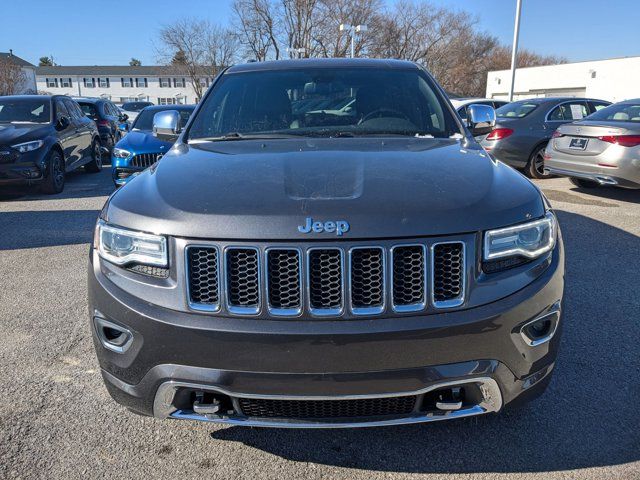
(172, 352)
(27, 169)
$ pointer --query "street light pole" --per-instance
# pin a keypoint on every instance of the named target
(514, 52)
(353, 29)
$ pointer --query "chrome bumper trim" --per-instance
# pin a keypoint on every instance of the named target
(601, 179)
(491, 402)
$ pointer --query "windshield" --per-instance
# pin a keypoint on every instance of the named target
(25, 110)
(516, 110)
(323, 102)
(144, 121)
(135, 106)
(620, 112)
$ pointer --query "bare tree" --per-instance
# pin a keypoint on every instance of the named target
(12, 78)
(298, 19)
(197, 49)
(256, 22)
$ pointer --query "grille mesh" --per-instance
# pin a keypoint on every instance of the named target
(243, 288)
(144, 160)
(325, 279)
(367, 277)
(322, 409)
(284, 279)
(408, 275)
(203, 276)
(448, 271)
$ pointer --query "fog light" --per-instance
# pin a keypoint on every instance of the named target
(113, 337)
(540, 330)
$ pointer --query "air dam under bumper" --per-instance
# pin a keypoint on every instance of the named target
(226, 366)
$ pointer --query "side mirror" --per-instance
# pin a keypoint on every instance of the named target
(167, 125)
(124, 117)
(63, 123)
(123, 127)
(481, 119)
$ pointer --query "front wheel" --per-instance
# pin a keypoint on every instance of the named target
(583, 182)
(535, 166)
(95, 165)
(55, 173)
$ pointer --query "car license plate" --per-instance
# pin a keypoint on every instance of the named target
(578, 143)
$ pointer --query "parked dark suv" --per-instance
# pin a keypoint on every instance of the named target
(354, 267)
(43, 137)
(107, 116)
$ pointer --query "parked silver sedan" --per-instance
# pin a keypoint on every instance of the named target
(602, 149)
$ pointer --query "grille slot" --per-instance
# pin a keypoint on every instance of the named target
(323, 409)
(448, 274)
(204, 282)
(409, 289)
(284, 278)
(243, 280)
(325, 281)
(367, 280)
(145, 160)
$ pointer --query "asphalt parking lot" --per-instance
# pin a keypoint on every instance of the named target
(57, 420)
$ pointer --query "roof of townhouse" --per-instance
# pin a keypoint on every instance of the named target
(116, 70)
(15, 59)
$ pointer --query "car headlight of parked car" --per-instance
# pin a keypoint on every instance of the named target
(530, 240)
(122, 246)
(28, 146)
(121, 153)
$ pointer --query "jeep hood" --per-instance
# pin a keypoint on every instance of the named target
(263, 190)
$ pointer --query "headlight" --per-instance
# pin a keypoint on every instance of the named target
(121, 246)
(121, 153)
(529, 240)
(28, 146)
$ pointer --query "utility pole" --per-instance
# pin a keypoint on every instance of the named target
(353, 30)
(514, 52)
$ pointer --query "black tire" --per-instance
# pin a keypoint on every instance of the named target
(583, 182)
(535, 166)
(95, 165)
(55, 174)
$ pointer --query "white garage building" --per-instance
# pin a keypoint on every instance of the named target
(614, 80)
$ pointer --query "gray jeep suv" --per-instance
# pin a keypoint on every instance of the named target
(288, 263)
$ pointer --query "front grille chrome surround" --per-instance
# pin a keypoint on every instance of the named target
(279, 310)
(214, 305)
(422, 302)
(379, 306)
(453, 301)
(238, 307)
(333, 310)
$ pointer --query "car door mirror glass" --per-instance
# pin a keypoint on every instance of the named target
(481, 119)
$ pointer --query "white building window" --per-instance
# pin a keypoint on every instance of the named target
(126, 82)
(178, 82)
(141, 82)
(167, 101)
(66, 83)
(52, 82)
(103, 82)
(89, 82)
(165, 82)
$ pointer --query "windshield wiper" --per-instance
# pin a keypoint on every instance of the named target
(245, 136)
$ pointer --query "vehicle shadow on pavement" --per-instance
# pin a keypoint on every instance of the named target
(611, 193)
(587, 418)
(46, 228)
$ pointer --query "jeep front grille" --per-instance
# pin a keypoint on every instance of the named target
(328, 281)
(145, 160)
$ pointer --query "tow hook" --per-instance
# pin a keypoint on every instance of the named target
(205, 408)
(450, 404)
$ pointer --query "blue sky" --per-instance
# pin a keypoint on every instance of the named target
(80, 32)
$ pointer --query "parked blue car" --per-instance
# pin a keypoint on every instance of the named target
(140, 149)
